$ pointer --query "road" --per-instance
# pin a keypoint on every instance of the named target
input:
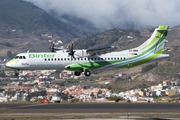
(88, 108)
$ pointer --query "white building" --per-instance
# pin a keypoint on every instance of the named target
(56, 97)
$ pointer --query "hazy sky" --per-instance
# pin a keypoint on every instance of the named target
(107, 14)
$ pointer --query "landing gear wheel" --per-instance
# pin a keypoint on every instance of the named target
(77, 73)
(87, 73)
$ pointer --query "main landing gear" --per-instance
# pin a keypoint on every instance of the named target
(87, 73)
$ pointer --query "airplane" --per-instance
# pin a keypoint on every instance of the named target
(86, 60)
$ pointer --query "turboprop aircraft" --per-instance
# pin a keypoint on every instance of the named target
(86, 60)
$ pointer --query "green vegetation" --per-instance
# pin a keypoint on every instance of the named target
(2, 74)
(74, 100)
(175, 96)
(115, 98)
(128, 101)
(120, 86)
(149, 67)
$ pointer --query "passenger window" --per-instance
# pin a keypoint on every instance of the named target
(55, 59)
(108, 58)
(51, 59)
(114, 58)
(81, 58)
(98, 58)
(121, 58)
(94, 58)
(45, 59)
(65, 59)
(68, 58)
(118, 58)
(91, 58)
(78, 58)
(58, 59)
(48, 59)
(104, 58)
(88, 58)
(124, 58)
(84, 58)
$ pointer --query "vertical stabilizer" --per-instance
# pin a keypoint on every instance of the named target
(156, 42)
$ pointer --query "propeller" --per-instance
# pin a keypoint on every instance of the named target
(51, 47)
(71, 52)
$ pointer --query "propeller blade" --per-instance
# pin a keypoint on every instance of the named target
(71, 52)
(53, 47)
(69, 47)
(72, 47)
(50, 47)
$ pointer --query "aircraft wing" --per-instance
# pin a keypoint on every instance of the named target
(99, 51)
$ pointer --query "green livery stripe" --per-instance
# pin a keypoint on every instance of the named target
(158, 34)
(13, 60)
(142, 61)
(91, 65)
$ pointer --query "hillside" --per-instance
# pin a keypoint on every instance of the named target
(110, 37)
(24, 26)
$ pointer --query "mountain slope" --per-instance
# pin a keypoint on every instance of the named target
(24, 26)
(28, 17)
(114, 36)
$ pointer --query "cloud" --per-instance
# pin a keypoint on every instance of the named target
(108, 14)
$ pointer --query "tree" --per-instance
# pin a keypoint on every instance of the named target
(9, 54)
(92, 95)
(20, 83)
(61, 84)
(109, 88)
(43, 93)
(100, 92)
(2, 74)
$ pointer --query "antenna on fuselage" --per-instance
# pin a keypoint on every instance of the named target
(28, 51)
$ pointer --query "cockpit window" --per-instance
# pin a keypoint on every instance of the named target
(16, 57)
(20, 57)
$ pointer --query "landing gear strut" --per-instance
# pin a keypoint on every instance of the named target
(77, 73)
(16, 72)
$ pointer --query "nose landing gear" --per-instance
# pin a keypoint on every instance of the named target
(16, 72)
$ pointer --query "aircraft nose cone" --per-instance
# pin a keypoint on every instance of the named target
(8, 64)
